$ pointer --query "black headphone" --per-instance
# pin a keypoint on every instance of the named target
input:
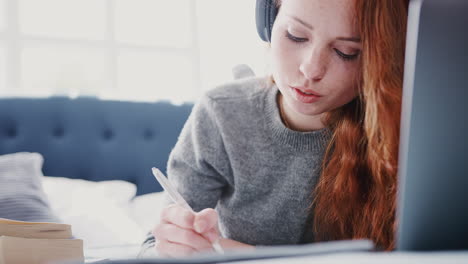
(265, 14)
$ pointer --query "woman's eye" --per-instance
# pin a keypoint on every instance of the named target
(346, 57)
(294, 38)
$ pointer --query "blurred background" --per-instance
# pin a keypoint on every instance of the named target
(135, 50)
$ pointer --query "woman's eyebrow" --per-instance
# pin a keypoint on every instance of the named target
(302, 22)
(352, 39)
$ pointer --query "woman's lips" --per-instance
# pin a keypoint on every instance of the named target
(305, 96)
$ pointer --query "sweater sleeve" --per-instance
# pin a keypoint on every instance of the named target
(198, 165)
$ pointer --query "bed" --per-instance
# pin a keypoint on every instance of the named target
(87, 162)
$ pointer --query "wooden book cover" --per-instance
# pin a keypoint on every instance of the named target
(38, 243)
(18, 250)
(34, 229)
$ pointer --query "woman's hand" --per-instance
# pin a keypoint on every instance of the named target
(182, 232)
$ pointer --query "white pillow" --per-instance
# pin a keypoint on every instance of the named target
(145, 209)
(21, 194)
(97, 211)
(121, 192)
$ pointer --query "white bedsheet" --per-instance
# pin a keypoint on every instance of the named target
(113, 224)
(103, 214)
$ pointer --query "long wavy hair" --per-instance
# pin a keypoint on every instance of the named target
(356, 194)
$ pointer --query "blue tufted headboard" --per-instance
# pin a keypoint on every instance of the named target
(93, 139)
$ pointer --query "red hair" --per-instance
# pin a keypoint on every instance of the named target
(356, 194)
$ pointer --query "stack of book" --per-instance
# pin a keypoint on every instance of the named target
(38, 243)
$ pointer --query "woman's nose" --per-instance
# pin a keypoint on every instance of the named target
(313, 67)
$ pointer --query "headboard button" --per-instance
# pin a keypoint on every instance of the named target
(108, 134)
(148, 135)
(11, 133)
(58, 132)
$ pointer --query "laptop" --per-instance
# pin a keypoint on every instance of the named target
(433, 161)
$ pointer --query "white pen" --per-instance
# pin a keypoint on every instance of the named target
(179, 200)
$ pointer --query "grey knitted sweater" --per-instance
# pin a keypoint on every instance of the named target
(235, 154)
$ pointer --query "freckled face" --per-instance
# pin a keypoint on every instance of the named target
(315, 55)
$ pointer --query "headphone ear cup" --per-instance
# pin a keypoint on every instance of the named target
(265, 14)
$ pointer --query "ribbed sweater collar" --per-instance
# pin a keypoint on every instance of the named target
(314, 141)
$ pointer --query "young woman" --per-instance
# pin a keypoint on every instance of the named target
(307, 154)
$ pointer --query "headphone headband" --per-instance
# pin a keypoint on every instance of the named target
(265, 14)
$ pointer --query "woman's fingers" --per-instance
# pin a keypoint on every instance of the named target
(205, 220)
(206, 223)
(178, 215)
(212, 235)
(169, 249)
(188, 237)
(182, 232)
